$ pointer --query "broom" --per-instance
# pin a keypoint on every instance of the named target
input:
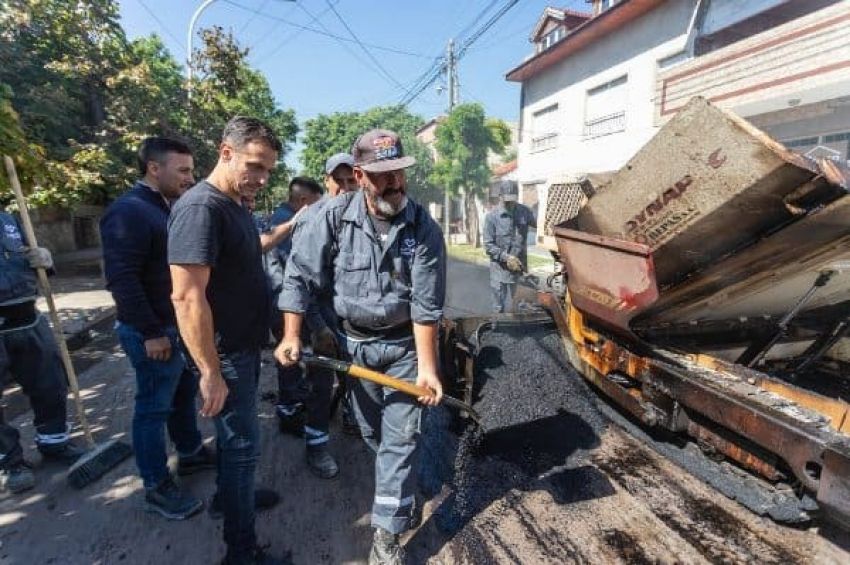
(100, 458)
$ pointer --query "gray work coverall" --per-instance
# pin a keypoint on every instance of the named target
(27, 350)
(379, 290)
(506, 233)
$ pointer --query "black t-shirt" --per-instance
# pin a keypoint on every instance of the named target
(206, 227)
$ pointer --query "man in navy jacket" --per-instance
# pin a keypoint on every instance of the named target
(134, 234)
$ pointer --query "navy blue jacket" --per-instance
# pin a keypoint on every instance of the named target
(17, 278)
(134, 232)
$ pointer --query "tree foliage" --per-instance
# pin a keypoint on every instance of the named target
(77, 97)
(464, 140)
(327, 134)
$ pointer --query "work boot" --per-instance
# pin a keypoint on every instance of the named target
(66, 453)
(291, 419)
(255, 556)
(264, 499)
(386, 550)
(202, 460)
(171, 501)
(321, 462)
(17, 477)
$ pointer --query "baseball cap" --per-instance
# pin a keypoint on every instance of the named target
(509, 191)
(336, 160)
(379, 151)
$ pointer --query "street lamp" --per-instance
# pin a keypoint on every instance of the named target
(204, 5)
(190, 36)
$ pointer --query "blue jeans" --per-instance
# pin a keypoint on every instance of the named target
(165, 398)
(389, 421)
(238, 437)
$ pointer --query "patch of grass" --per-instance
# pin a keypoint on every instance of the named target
(465, 252)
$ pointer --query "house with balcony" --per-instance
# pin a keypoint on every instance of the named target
(598, 85)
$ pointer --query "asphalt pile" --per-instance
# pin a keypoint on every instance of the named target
(539, 421)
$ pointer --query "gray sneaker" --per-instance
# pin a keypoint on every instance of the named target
(386, 550)
(321, 462)
(17, 478)
(171, 501)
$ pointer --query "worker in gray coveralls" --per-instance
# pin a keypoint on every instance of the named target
(383, 259)
(505, 241)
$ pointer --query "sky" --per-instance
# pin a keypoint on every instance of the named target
(314, 73)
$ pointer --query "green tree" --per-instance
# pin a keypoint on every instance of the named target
(464, 140)
(327, 134)
(227, 86)
(76, 97)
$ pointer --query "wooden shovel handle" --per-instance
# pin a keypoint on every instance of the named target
(386, 380)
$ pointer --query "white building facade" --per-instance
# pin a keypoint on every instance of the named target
(596, 92)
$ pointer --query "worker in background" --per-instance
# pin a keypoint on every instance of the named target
(339, 179)
(134, 231)
(293, 390)
(382, 257)
(505, 242)
(28, 352)
(221, 300)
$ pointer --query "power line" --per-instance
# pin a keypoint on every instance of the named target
(167, 31)
(294, 34)
(363, 47)
(253, 17)
(326, 34)
(414, 93)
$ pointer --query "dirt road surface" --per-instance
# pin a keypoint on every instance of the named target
(611, 500)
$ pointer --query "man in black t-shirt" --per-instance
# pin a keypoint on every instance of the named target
(221, 300)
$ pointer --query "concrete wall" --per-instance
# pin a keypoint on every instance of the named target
(63, 231)
(633, 51)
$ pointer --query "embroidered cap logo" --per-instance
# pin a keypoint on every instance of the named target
(385, 148)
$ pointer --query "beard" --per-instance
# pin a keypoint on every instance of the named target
(384, 208)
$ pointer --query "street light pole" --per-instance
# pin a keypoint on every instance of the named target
(189, 52)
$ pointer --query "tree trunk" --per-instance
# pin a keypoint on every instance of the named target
(472, 220)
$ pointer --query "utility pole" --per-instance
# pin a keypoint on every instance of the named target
(450, 80)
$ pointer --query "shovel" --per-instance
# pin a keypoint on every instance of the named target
(385, 380)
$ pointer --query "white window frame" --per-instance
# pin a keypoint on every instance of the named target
(544, 140)
(608, 124)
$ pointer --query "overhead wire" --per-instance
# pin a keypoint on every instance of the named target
(325, 33)
(363, 47)
(287, 38)
(167, 31)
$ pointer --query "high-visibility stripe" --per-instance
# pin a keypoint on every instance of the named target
(318, 440)
(393, 502)
(51, 439)
(314, 432)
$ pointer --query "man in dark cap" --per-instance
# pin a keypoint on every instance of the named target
(505, 241)
(382, 258)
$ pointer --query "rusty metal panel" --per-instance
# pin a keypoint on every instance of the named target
(609, 279)
(706, 184)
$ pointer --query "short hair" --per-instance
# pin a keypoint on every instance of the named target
(156, 148)
(242, 130)
(304, 184)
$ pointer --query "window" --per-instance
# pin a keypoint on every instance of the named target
(552, 38)
(836, 145)
(605, 109)
(544, 125)
(673, 60)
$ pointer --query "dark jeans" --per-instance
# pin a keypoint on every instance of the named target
(31, 355)
(238, 436)
(165, 398)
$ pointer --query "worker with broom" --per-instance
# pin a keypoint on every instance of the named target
(28, 352)
(382, 258)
